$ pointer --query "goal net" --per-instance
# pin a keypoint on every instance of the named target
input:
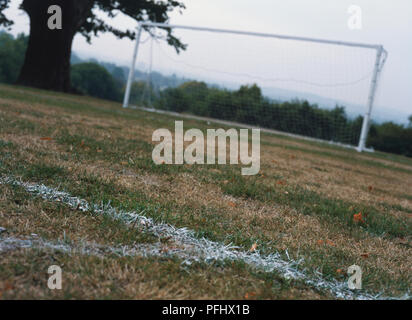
(313, 88)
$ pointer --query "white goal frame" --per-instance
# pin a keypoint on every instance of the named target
(381, 56)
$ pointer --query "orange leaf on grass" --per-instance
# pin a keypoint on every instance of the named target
(8, 286)
(330, 243)
(232, 204)
(46, 139)
(320, 242)
(253, 248)
(249, 295)
(364, 255)
(358, 217)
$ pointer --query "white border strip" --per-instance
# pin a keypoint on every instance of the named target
(91, 248)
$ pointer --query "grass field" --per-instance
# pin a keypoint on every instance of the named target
(304, 205)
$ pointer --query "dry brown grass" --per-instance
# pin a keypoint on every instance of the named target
(87, 277)
(286, 227)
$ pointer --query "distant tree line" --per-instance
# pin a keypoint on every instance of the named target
(246, 105)
(12, 52)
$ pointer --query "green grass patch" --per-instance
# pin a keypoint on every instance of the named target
(42, 172)
(311, 203)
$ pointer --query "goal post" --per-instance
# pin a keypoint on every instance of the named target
(379, 63)
(280, 109)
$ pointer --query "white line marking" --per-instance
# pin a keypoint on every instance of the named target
(194, 249)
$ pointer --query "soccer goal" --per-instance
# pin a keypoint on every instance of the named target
(311, 88)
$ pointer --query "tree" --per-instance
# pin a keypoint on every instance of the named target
(410, 121)
(392, 137)
(11, 56)
(94, 80)
(47, 60)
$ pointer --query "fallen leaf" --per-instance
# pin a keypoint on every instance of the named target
(370, 188)
(8, 286)
(253, 248)
(46, 139)
(358, 217)
(364, 255)
(330, 243)
(232, 204)
(124, 163)
(281, 182)
(320, 242)
(249, 295)
(340, 271)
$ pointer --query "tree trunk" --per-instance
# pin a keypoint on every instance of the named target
(47, 62)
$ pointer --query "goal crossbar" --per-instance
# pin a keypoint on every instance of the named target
(381, 56)
(261, 34)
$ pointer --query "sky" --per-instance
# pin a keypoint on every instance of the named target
(383, 22)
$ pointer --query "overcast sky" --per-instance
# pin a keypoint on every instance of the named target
(384, 22)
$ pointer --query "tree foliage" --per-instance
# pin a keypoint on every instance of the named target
(140, 10)
(391, 137)
(12, 52)
(94, 80)
(4, 4)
